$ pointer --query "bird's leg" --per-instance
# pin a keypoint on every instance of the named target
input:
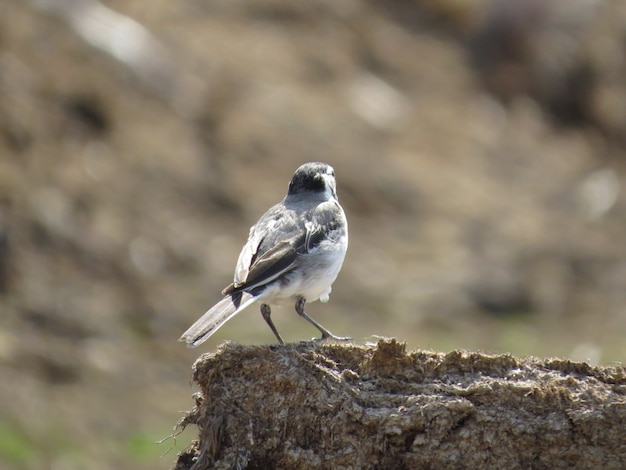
(325, 333)
(267, 312)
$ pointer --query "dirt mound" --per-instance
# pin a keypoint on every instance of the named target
(310, 406)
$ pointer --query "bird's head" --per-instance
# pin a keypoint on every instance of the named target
(314, 177)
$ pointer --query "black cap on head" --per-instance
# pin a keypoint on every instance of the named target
(311, 177)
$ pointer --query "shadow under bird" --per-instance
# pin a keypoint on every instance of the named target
(293, 254)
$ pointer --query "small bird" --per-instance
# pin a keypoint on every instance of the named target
(293, 254)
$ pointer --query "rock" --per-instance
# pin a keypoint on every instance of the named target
(311, 405)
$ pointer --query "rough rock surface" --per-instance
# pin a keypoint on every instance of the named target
(309, 405)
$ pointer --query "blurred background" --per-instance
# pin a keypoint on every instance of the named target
(480, 153)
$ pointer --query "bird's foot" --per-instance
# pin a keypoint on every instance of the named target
(329, 335)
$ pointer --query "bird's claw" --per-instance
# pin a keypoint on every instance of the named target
(326, 337)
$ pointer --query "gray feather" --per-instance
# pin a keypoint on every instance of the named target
(213, 319)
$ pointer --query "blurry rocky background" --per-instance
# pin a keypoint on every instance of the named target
(480, 152)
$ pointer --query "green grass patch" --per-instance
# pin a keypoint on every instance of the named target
(143, 447)
(15, 447)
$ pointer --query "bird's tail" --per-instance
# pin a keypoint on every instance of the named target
(213, 319)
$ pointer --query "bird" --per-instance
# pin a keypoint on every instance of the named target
(293, 254)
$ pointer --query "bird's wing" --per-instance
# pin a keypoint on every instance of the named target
(267, 267)
(265, 257)
(249, 252)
